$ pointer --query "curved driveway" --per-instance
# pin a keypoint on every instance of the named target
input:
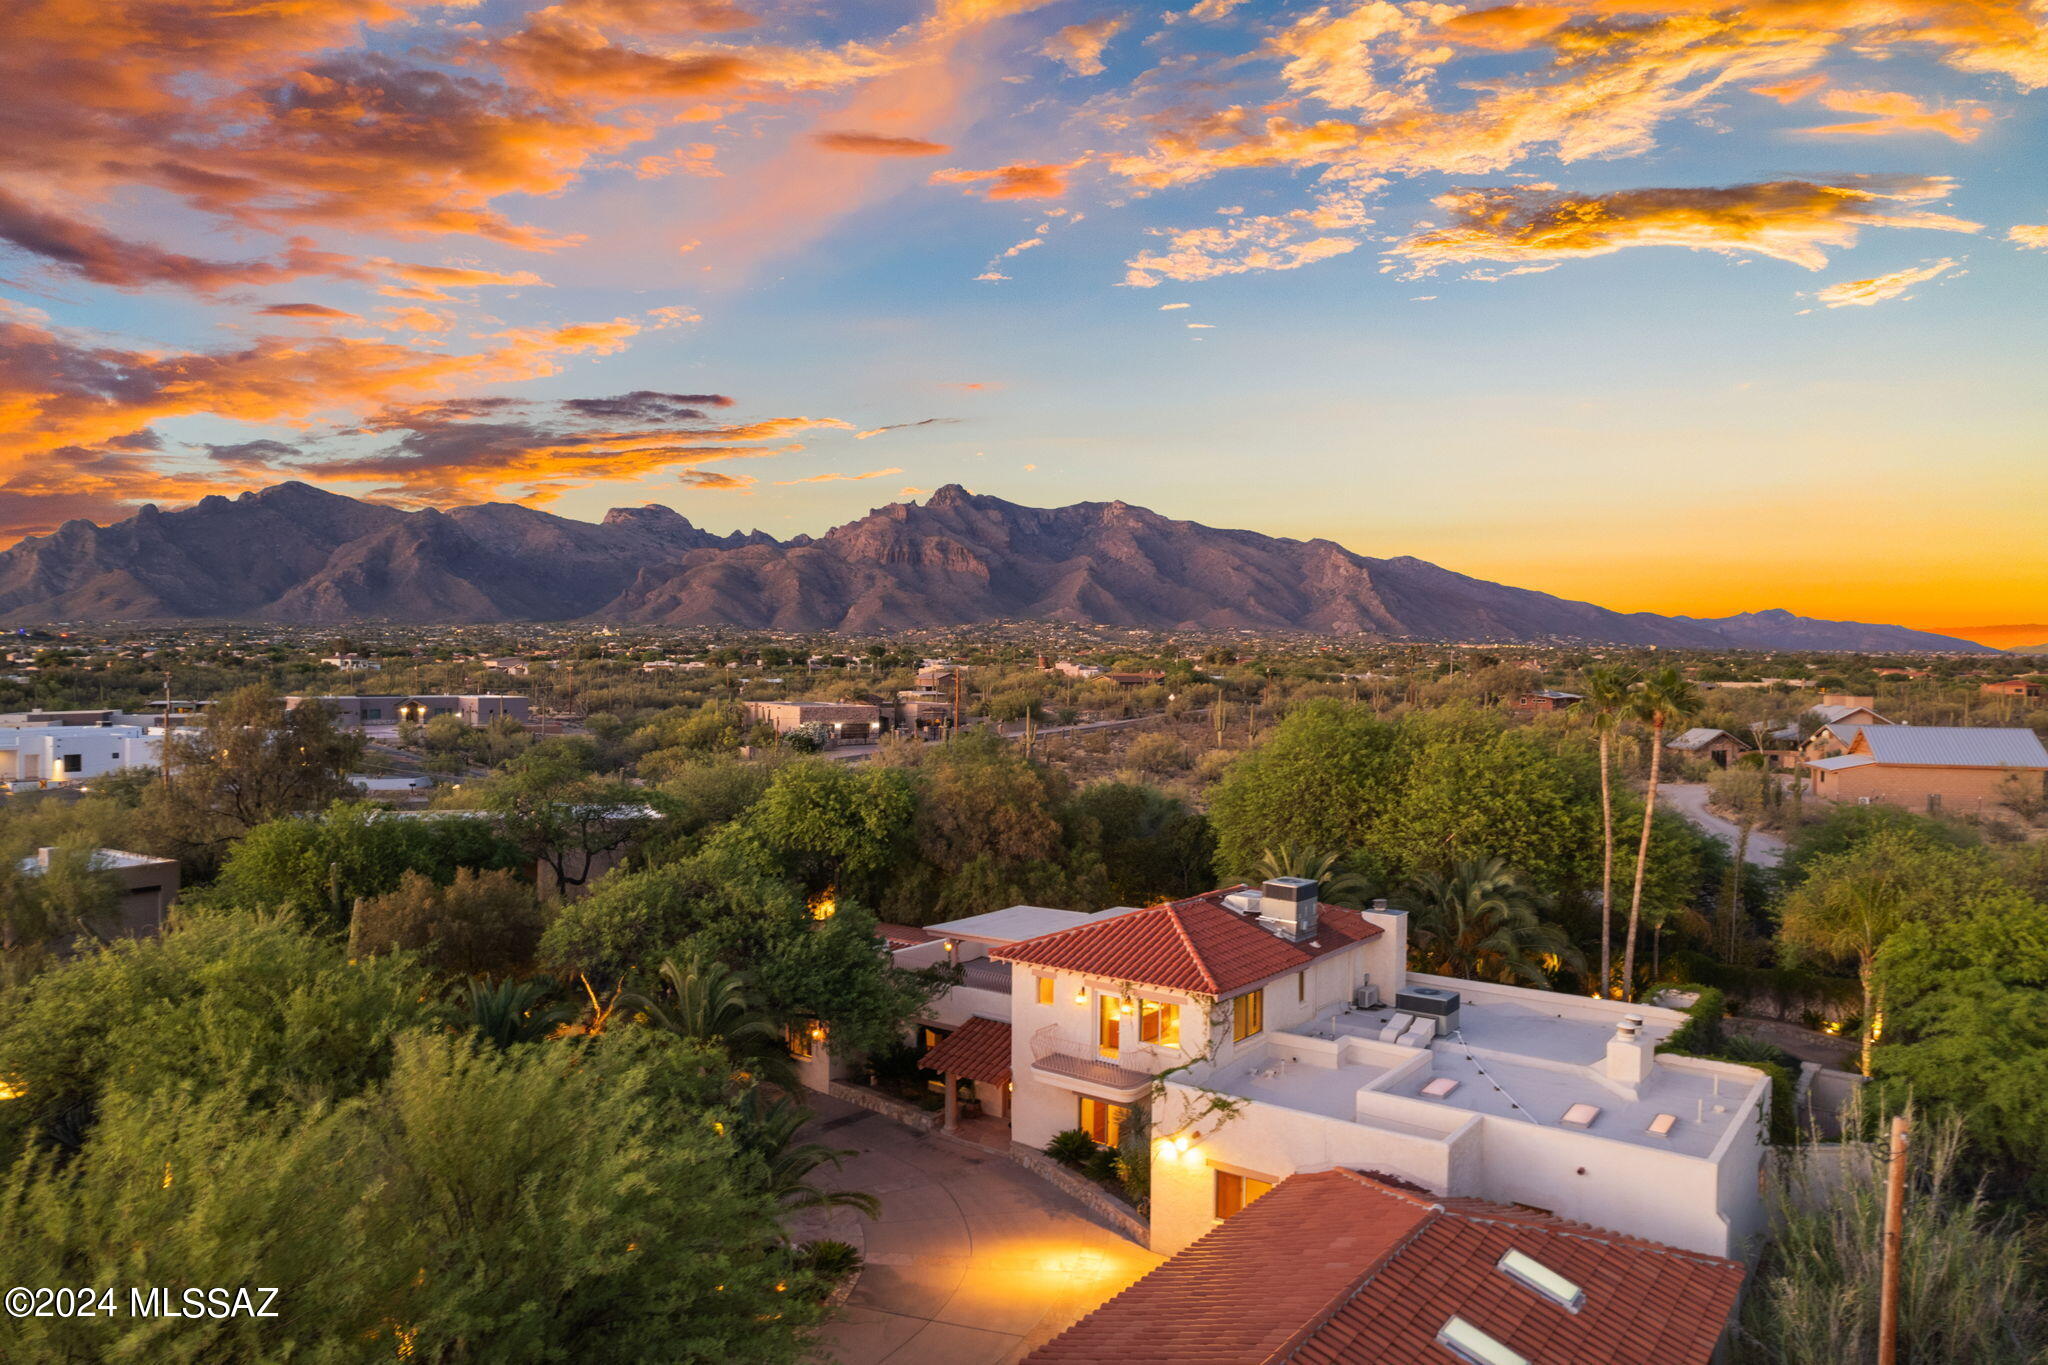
(1690, 800)
(974, 1261)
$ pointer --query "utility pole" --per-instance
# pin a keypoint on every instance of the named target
(164, 744)
(1894, 1232)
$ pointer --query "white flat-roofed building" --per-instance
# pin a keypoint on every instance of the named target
(46, 755)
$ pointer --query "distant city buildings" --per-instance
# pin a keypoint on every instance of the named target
(38, 755)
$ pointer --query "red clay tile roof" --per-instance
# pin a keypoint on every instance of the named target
(903, 935)
(1344, 1268)
(1198, 946)
(979, 1050)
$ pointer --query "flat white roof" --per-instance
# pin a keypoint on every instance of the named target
(1017, 923)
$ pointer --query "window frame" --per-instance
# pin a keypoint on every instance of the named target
(1247, 1022)
(1238, 1182)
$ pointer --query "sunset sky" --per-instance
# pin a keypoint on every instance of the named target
(1671, 305)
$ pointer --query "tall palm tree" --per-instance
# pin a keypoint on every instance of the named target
(768, 1128)
(1664, 697)
(1340, 884)
(1609, 693)
(1480, 922)
(708, 1002)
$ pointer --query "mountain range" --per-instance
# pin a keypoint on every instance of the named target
(297, 554)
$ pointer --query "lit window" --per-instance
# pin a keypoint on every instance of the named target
(1159, 1023)
(1542, 1279)
(1469, 1344)
(1108, 1026)
(1234, 1191)
(799, 1039)
(1045, 985)
(1247, 1015)
(1102, 1121)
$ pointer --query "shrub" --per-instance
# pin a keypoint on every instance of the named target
(832, 1262)
(1071, 1148)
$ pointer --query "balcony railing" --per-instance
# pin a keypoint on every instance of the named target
(1062, 1055)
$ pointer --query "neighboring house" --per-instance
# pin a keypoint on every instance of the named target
(44, 754)
(392, 788)
(1831, 739)
(849, 722)
(1067, 668)
(476, 709)
(1934, 767)
(1852, 712)
(353, 663)
(1142, 678)
(149, 885)
(1344, 1267)
(1717, 746)
(939, 673)
(1545, 699)
(512, 668)
(2012, 687)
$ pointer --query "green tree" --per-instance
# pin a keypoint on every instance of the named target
(480, 924)
(1139, 844)
(257, 1007)
(250, 761)
(830, 825)
(768, 1130)
(1322, 780)
(1609, 698)
(1851, 902)
(1965, 1005)
(560, 815)
(481, 1205)
(48, 897)
(1664, 697)
(1480, 922)
(320, 867)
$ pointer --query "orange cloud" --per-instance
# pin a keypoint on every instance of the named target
(1791, 92)
(1866, 293)
(1079, 47)
(1892, 112)
(879, 144)
(1264, 242)
(837, 478)
(309, 312)
(1022, 181)
(1787, 220)
(2033, 235)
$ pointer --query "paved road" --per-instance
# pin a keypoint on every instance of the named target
(974, 1261)
(1690, 800)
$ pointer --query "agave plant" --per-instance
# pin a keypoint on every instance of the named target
(509, 1012)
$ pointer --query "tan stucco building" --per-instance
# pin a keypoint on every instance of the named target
(1934, 767)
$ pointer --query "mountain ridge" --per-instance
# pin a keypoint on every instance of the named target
(297, 554)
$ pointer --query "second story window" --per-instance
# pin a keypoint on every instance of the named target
(1247, 1015)
(1159, 1023)
(1045, 984)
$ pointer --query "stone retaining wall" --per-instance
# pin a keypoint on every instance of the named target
(873, 1100)
(1121, 1216)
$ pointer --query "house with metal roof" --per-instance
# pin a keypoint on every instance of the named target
(1956, 768)
(1702, 741)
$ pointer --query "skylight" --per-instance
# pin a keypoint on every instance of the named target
(1542, 1279)
(1469, 1344)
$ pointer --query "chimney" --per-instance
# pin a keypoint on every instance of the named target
(1630, 1055)
(1288, 906)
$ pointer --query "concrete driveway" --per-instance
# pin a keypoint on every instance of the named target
(974, 1261)
(1690, 800)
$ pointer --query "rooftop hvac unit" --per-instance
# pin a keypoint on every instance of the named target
(1432, 1002)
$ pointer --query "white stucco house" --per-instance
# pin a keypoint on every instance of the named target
(50, 755)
